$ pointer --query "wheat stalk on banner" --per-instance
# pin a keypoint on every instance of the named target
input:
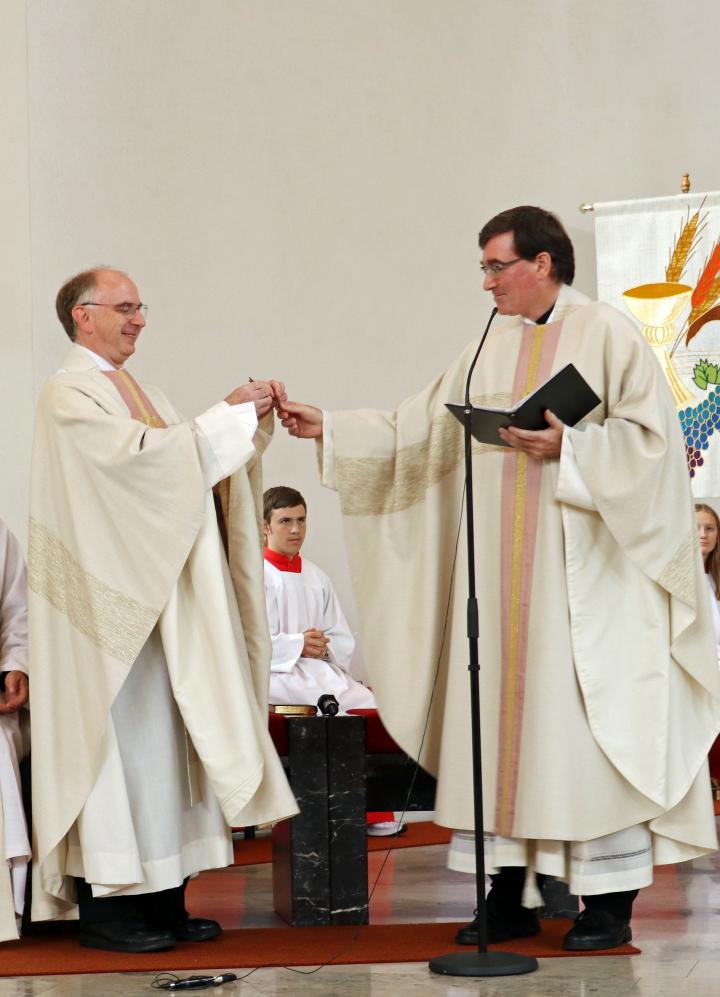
(684, 247)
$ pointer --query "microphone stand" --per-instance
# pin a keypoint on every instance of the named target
(482, 962)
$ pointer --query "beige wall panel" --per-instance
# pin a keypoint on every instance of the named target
(297, 185)
(16, 390)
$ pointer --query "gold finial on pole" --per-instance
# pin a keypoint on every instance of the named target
(685, 183)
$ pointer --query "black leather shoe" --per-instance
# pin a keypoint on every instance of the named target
(125, 936)
(597, 929)
(518, 923)
(196, 929)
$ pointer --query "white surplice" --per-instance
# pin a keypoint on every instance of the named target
(715, 608)
(298, 601)
(14, 735)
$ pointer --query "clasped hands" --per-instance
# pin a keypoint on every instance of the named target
(264, 395)
(315, 644)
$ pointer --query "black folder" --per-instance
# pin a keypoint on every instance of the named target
(567, 394)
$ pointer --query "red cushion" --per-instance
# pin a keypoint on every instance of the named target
(377, 739)
(277, 722)
(714, 759)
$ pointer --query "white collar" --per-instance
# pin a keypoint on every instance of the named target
(101, 362)
(567, 299)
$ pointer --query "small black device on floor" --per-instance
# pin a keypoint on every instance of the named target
(167, 981)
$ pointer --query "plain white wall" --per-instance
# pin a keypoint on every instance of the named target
(297, 185)
(16, 338)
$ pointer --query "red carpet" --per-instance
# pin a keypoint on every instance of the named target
(58, 951)
(425, 832)
(53, 948)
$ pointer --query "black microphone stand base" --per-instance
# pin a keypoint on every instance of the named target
(483, 964)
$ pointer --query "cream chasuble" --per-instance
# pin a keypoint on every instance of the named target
(145, 658)
(600, 692)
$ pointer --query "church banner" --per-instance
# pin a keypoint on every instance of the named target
(658, 260)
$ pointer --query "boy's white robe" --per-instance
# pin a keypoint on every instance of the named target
(715, 609)
(131, 597)
(606, 721)
(297, 601)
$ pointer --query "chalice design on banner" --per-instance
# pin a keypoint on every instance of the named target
(658, 307)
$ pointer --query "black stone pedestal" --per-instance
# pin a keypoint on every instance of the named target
(558, 901)
(320, 857)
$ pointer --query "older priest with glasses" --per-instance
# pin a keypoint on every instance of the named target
(150, 664)
(599, 685)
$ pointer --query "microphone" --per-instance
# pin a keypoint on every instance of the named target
(328, 705)
(493, 313)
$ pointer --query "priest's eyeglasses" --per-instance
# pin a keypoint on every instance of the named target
(126, 308)
(496, 268)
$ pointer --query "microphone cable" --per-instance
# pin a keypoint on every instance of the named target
(408, 796)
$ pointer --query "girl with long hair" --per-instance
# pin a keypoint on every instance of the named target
(708, 524)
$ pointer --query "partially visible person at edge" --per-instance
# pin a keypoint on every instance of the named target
(149, 663)
(311, 640)
(708, 525)
(600, 692)
(14, 732)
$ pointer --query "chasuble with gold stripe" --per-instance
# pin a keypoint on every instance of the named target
(150, 664)
(600, 693)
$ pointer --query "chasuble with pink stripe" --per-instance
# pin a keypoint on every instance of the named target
(150, 661)
(599, 684)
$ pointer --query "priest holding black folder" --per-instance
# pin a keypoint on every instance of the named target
(599, 687)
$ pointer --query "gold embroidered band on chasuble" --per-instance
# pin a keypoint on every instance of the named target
(379, 486)
(138, 403)
(521, 483)
(112, 621)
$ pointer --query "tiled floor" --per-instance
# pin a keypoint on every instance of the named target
(676, 923)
